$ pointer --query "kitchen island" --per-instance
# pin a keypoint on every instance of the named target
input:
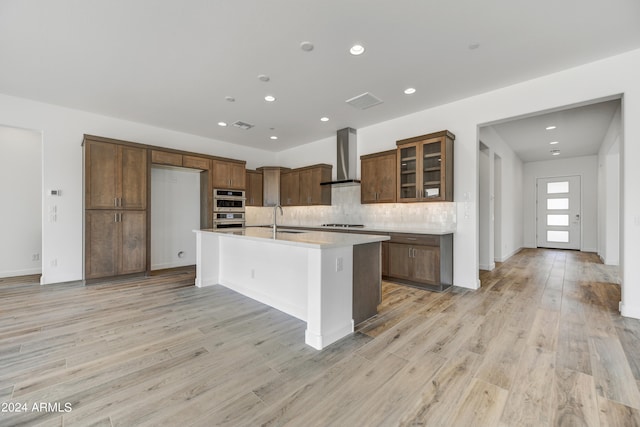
(329, 280)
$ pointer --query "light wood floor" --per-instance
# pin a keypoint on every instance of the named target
(541, 344)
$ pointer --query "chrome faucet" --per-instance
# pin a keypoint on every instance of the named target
(275, 217)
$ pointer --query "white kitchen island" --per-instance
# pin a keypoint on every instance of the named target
(309, 275)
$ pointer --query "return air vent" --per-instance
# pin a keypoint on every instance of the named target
(242, 125)
(364, 101)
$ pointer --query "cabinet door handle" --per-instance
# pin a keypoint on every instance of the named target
(120, 202)
(115, 217)
(120, 214)
(115, 202)
(410, 253)
(414, 252)
(412, 238)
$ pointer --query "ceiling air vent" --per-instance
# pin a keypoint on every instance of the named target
(364, 101)
(242, 125)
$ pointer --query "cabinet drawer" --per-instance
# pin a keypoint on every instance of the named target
(415, 239)
(196, 162)
(166, 158)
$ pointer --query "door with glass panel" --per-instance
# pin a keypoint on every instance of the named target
(558, 216)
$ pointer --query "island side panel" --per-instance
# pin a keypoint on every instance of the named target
(367, 281)
(271, 273)
(330, 296)
(207, 259)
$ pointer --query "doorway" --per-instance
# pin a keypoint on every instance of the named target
(21, 184)
(558, 216)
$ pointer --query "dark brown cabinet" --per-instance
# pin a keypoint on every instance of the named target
(290, 188)
(301, 186)
(425, 168)
(421, 260)
(115, 176)
(116, 185)
(254, 188)
(311, 192)
(160, 157)
(228, 174)
(115, 242)
(378, 177)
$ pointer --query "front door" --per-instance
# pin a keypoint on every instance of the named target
(558, 212)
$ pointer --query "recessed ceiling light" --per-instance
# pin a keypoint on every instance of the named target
(273, 137)
(409, 91)
(474, 46)
(263, 78)
(269, 98)
(554, 142)
(223, 124)
(306, 46)
(550, 127)
(356, 49)
(230, 98)
(324, 119)
(556, 153)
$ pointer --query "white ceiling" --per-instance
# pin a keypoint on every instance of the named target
(578, 131)
(171, 63)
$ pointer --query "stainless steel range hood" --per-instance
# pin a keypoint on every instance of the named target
(346, 158)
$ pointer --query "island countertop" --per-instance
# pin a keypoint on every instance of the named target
(303, 238)
(440, 231)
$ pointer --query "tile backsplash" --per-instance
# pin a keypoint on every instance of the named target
(346, 208)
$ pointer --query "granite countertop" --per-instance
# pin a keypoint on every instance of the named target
(310, 239)
(373, 229)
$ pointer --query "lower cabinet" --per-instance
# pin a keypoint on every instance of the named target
(115, 242)
(424, 261)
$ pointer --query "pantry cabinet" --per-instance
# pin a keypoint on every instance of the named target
(115, 176)
(425, 168)
(115, 242)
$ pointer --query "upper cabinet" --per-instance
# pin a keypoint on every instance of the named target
(378, 177)
(228, 174)
(311, 192)
(290, 188)
(254, 188)
(301, 187)
(115, 176)
(425, 168)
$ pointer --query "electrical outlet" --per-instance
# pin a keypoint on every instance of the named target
(35, 257)
(253, 273)
(54, 262)
(339, 264)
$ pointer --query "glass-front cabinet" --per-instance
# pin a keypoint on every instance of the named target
(425, 167)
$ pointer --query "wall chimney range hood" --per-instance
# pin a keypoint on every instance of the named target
(346, 158)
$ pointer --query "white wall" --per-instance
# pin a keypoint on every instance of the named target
(21, 212)
(587, 168)
(609, 193)
(611, 76)
(175, 213)
(485, 217)
(62, 133)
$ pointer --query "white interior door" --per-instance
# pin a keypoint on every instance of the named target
(558, 216)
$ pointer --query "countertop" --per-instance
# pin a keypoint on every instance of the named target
(367, 229)
(310, 239)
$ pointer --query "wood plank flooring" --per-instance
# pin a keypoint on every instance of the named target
(540, 344)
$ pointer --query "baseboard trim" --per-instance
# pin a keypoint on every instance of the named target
(18, 273)
(506, 257)
(626, 311)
